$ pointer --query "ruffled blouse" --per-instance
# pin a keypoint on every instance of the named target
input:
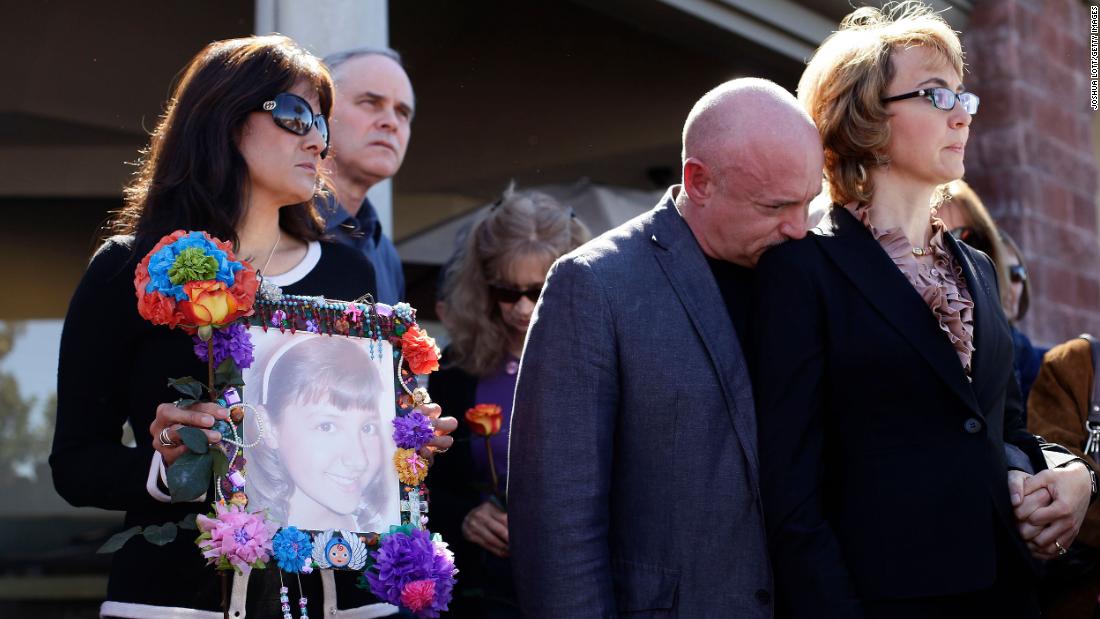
(941, 284)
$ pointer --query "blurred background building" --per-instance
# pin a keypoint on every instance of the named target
(584, 96)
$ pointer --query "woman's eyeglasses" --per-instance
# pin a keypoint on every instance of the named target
(502, 294)
(294, 114)
(1017, 274)
(942, 99)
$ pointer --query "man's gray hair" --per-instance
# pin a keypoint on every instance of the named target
(336, 59)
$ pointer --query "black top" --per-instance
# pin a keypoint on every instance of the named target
(735, 283)
(453, 491)
(114, 367)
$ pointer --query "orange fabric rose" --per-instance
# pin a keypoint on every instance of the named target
(154, 307)
(209, 304)
(420, 351)
(244, 289)
(484, 419)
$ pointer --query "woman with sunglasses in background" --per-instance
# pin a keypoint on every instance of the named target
(888, 415)
(489, 294)
(968, 220)
(235, 154)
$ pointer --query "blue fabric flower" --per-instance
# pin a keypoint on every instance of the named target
(292, 548)
(160, 262)
(412, 431)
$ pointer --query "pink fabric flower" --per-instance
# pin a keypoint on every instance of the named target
(235, 538)
(418, 594)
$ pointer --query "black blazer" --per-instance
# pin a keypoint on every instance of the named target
(883, 467)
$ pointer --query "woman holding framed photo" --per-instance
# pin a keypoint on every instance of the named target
(236, 154)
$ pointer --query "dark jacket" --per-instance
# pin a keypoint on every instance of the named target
(883, 466)
(632, 468)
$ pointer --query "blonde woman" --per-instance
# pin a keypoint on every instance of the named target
(489, 294)
(889, 418)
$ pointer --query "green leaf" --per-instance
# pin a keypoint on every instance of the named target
(160, 534)
(188, 523)
(228, 374)
(187, 386)
(195, 439)
(220, 463)
(185, 402)
(189, 476)
(118, 540)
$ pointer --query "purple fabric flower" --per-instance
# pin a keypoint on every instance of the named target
(232, 341)
(412, 431)
(408, 556)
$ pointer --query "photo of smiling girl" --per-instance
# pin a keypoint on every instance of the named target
(324, 458)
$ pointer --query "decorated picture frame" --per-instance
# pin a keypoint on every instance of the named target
(330, 378)
(193, 282)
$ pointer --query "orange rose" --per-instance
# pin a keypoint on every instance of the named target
(420, 351)
(209, 304)
(484, 419)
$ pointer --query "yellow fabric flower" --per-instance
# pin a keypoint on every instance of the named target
(411, 468)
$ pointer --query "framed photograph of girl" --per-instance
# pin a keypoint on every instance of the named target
(326, 405)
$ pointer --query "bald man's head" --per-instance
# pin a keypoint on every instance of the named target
(734, 117)
(752, 161)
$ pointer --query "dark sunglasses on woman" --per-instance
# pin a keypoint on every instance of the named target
(294, 114)
(1017, 274)
(501, 294)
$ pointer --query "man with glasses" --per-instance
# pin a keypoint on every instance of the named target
(632, 459)
(371, 125)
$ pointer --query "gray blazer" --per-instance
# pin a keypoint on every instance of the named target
(632, 462)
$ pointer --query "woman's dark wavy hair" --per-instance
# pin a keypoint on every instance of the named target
(192, 175)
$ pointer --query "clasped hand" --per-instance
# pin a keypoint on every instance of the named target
(1050, 507)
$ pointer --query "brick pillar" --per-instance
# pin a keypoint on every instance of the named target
(1031, 157)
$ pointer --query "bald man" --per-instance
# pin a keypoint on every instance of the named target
(632, 464)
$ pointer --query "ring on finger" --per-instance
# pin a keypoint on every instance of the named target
(165, 439)
(1061, 549)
